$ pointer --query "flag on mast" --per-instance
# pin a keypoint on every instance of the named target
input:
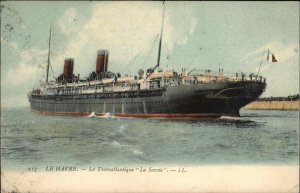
(273, 57)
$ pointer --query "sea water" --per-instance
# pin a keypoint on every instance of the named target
(257, 137)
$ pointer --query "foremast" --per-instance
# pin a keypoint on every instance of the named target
(48, 61)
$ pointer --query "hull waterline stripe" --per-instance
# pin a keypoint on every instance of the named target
(157, 115)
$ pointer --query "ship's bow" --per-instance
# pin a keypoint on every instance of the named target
(236, 95)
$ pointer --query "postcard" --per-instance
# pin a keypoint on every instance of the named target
(149, 96)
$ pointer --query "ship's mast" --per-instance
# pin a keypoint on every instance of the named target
(48, 57)
(262, 61)
(160, 41)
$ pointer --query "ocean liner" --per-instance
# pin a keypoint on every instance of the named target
(155, 93)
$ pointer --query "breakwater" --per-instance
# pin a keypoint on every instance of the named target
(276, 103)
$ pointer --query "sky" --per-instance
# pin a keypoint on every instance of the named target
(202, 35)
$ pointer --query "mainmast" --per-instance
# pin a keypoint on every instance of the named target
(160, 41)
(48, 57)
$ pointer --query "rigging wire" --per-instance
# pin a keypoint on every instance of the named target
(150, 51)
(261, 62)
(160, 42)
(146, 59)
(35, 84)
(131, 61)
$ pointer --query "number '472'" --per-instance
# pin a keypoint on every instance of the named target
(32, 169)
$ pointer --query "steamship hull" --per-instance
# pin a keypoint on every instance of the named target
(193, 101)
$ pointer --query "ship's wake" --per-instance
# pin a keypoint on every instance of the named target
(239, 120)
(231, 118)
(92, 115)
(107, 116)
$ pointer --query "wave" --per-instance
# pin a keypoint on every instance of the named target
(122, 128)
(116, 144)
(115, 135)
(134, 150)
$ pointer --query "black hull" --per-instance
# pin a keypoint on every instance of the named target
(210, 99)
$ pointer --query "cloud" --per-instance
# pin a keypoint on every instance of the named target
(194, 23)
(13, 45)
(66, 23)
(31, 62)
(18, 76)
(126, 29)
(182, 41)
(281, 51)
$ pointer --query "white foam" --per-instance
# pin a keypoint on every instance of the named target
(116, 144)
(122, 128)
(230, 118)
(107, 116)
(136, 151)
(92, 115)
